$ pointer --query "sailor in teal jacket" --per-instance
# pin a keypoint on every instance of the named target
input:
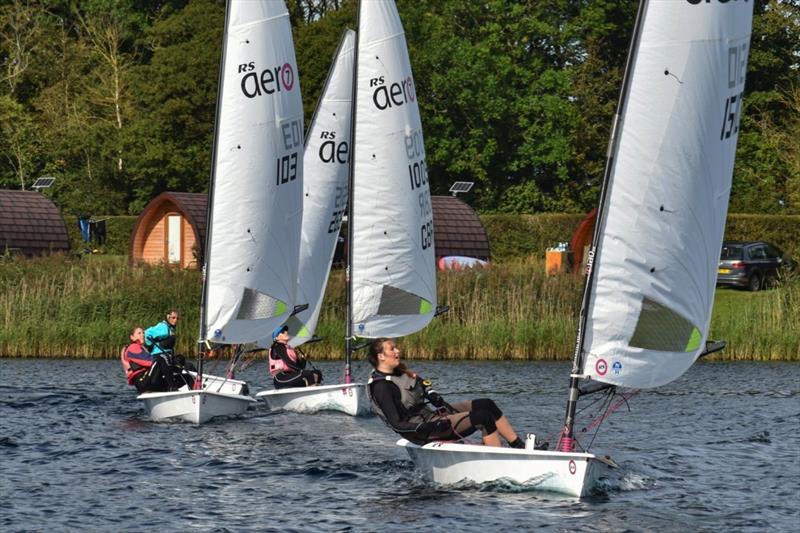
(160, 339)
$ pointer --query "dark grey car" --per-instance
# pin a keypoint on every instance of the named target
(751, 265)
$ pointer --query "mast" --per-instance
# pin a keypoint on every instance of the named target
(567, 441)
(348, 341)
(209, 207)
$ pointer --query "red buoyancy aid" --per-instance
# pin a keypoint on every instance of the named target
(135, 360)
(277, 365)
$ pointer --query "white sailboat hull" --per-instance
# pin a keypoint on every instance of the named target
(221, 384)
(194, 406)
(347, 398)
(574, 474)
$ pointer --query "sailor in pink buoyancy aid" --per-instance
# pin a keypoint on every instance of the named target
(143, 371)
(286, 367)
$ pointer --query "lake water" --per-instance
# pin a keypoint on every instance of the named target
(716, 450)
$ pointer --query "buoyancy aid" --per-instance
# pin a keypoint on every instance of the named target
(412, 394)
(123, 359)
(276, 363)
(160, 338)
(135, 361)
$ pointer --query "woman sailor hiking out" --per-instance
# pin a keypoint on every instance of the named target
(399, 397)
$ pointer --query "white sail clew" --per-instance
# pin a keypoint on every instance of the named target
(325, 172)
(256, 201)
(393, 268)
(662, 228)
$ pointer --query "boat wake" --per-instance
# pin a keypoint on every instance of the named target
(625, 482)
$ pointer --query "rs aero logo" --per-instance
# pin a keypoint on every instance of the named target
(268, 81)
(394, 94)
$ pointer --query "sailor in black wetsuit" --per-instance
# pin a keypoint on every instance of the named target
(400, 398)
(286, 366)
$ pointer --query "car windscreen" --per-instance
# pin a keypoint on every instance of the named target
(731, 253)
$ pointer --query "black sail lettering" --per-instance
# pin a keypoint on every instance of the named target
(256, 91)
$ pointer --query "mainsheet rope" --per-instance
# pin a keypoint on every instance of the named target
(605, 409)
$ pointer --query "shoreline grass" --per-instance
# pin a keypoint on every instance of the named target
(83, 308)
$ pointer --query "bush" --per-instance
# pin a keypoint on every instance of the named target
(781, 230)
(517, 236)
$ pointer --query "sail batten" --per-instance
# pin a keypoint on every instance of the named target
(661, 226)
(255, 198)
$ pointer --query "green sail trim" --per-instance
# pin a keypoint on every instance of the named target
(694, 341)
(258, 306)
(659, 328)
(425, 307)
(297, 328)
(396, 301)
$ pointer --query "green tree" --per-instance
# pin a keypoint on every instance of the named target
(764, 177)
(22, 27)
(493, 88)
(170, 140)
(602, 29)
(18, 144)
(116, 98)
(86, 105)
(315, 43)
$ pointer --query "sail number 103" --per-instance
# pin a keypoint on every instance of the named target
(292, 136)
(286, 168)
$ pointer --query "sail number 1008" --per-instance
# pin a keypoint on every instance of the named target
(286, 168)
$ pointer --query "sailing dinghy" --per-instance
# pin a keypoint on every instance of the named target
(391, 269)
(652, 270)
(255, 203)
(326, 168)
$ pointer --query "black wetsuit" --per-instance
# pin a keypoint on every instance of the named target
(421, 424)
(296, 376)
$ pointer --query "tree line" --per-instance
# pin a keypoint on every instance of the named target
(116, 98)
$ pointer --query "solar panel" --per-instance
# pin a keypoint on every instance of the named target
(461, 186)
(43, 182)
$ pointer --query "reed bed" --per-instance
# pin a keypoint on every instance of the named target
(491, 315)
(66, 307)
(85, 307)
(763, 326)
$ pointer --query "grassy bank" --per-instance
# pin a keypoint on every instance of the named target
(63, 307)
(84, 307)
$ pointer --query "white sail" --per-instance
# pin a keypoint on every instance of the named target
(393, 267)
(326, 166)
(256, 198)
(664, 217)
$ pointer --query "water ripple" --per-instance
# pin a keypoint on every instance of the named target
(76, 445)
